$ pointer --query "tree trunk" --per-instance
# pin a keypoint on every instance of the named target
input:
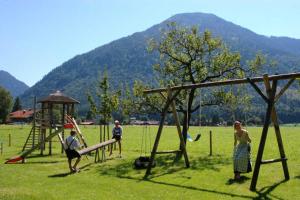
(186, 121)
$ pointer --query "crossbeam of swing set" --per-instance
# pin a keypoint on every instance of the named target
(271, 98)
(225, 82)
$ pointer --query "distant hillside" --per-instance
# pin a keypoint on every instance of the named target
(12, 84)
(127, 59)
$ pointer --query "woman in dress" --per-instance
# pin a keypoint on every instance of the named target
(241, 154)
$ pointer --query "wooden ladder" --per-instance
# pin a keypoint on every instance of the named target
(33, 138)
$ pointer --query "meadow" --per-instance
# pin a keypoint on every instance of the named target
(209, 177)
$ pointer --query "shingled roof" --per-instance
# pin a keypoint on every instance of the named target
(59, 98)
(21, 114)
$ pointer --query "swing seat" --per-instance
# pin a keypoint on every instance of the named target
(143, 162)
(191, 139)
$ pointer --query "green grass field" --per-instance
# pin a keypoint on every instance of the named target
(47, 177)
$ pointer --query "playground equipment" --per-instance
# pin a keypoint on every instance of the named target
(142, 162)
(46, 124)
(87, 150)
(189, 138)
(270, 97)
(45, 121)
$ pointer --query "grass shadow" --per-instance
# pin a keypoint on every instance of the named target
(210, 162)
(242, 180)
(191, 188)
(62, 175)
(167, 166)
(43, 162)
(265, 192)
(298, 177)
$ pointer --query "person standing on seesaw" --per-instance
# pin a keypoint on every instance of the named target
(117, 134)
(71, 145)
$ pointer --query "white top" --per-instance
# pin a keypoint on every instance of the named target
(72, 145)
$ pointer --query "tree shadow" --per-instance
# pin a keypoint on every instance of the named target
(210, 162)
(265, 192)
(167, 166)
(189, 187)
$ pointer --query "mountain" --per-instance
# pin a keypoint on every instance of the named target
(127, 59)
(13, 85)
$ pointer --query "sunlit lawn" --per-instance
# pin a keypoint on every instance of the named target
(47, 177)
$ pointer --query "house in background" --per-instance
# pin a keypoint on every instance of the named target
(20, 116)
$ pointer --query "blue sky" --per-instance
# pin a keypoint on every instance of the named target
(38, 35)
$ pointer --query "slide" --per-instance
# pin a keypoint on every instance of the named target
(24, 154)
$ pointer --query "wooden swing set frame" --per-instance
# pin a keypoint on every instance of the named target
(271, 96)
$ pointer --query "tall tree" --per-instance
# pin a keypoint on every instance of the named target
(108, 101)
(188, 56)
(5, 104)
(17, 105)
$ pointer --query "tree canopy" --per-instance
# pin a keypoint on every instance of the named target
(5, 104)
(107, 101)
(17, 105)
(190, 56)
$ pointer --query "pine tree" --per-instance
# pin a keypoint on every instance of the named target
(17, 105)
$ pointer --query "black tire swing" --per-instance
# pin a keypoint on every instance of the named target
(143, 161)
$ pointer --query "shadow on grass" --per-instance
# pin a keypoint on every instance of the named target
(62, 175)
(165, 163)
(265, 192)
(43, 162)
(242, 180)
(210, 162)
(298, 177)
(192, 188)
(167, 166)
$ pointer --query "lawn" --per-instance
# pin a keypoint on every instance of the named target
(209, 177)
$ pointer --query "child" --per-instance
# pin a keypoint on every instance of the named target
(117, 134)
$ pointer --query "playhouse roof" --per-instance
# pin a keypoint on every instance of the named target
(59, 98)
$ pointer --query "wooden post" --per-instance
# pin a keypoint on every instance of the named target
(9, 140)
(156, 142)
(100, 129)
(73, 110)
(271, 94)
(103, 154)
(43, 129)
(50, 142)
(52, 123)
(154, 149)
(182, 143)
(278, 134)
(34, 121)
(210, 143)
(96, 155)
(280, 144)
(62, 123)
(107, 127)
(169, 101)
